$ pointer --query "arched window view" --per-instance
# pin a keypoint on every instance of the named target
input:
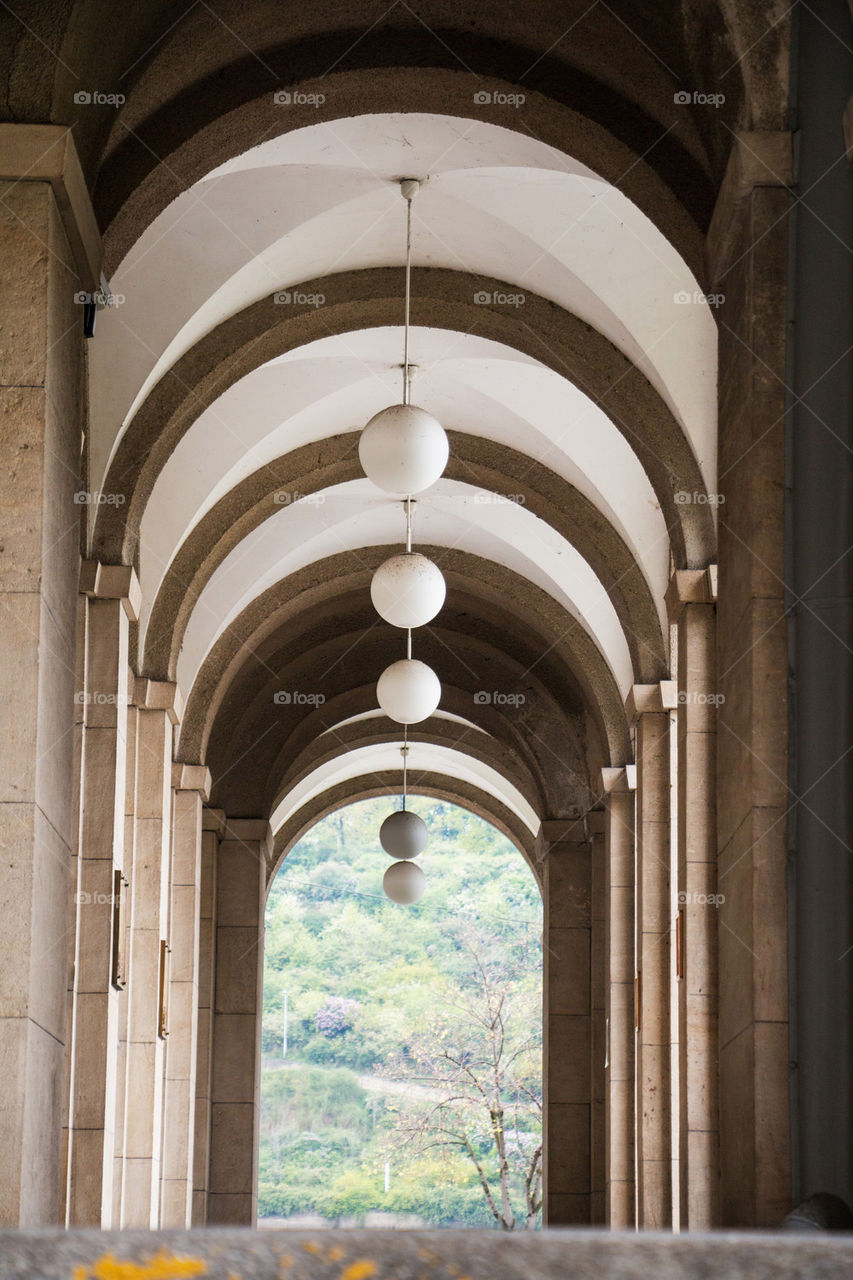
(401, 1078)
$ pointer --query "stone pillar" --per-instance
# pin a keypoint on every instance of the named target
(149, 900)
(690, 601)
(595, 826)
(747, 251)
(648, 710)
(244, 854)
(46, 258)
(113, 602)
(191, 785)
(124, 995)
(566, 1060)
(213, 823)
(619, 997)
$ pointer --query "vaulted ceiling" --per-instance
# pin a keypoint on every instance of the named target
(247, 189)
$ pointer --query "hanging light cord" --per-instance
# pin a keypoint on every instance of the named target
(408, 199)
(408, 549)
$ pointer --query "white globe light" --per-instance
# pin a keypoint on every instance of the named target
(403, 834)
(408, 691)
(404, 882)
(403, 449)
(408, 590)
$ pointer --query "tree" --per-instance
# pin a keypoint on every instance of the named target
(475, 1071)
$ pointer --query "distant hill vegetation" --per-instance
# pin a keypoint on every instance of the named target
(376, 1022)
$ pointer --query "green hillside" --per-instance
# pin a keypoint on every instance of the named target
(391, 1012)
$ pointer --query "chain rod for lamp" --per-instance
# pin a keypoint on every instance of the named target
(408, 193)
(405, 755)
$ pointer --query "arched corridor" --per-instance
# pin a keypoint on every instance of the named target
(203, 246)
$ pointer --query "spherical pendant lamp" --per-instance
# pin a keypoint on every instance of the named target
(404, 883)
(408, 590)
(408, 691)
(403, 834)
(403, 449)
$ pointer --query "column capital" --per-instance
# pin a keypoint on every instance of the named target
(213, 820)
(249, 831)
(758, 158)
(556, 831)
(654, 698)
(46, 153)
(112, 582)
(596, 822)
(690, 586)
(624, 779)
(158, 695)
(191, 777)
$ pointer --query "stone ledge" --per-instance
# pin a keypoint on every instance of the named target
(425, 1255)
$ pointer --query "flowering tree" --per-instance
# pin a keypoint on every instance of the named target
(336, 1016)
(476, 1068)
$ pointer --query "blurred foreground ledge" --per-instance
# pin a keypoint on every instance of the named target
(243, 1254)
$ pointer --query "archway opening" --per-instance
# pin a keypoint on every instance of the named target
(401, 1080)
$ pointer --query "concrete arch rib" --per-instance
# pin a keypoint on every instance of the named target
(442, 299)
(389, 782)
(496, 753)
(475, 461)
(650, 166)
(479, 596)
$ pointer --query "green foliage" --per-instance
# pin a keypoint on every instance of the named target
(332, 937)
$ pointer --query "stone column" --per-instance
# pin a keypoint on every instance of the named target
(191, 785)
(244, 854)
(124, 995)
(690, 602)
(648, 710)
(149, 900)
(566, 989)
(595, 827)
(619, 997)
(213, 823)
(45, 260)
(112, 605)
(747, 252)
